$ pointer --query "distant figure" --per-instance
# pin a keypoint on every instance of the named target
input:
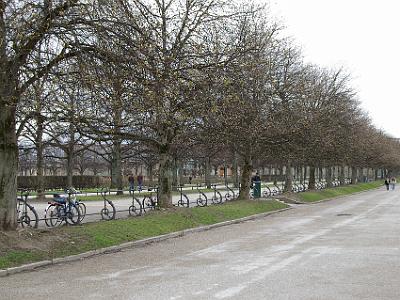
(387, 183)
(131, 181)
(140, 181)
(393, 182)
(190, 179)
(255, 178)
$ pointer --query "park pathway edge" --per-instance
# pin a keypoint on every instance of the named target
(132, 244)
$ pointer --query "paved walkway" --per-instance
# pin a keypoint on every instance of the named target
(347, 248)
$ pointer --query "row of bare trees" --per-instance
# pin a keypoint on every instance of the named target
(166, 80)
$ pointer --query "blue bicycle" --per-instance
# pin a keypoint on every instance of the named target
(62, 210)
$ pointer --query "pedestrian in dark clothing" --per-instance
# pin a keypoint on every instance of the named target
(131, 181)
(140, 182)
(255, 178)
(387, 183)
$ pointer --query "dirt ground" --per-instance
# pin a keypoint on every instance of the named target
(30, 239)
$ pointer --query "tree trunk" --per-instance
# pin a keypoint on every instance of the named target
(341, 176)
(180, 173)
(70, 167)
(300, 174)
(39, 151)
(225, 173)
(289, 177)
(165, 178)
(39, 166)
(8, 164)
(70, 150)
(207, 169)
(235, 171)
(329, 183)
(320, 173)
(175, 174)
(353, 175)
(116, 168)
(359, 175)
(311, 180)
(150, 173)
(246, 178)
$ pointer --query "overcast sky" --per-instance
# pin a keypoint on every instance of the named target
(362, 36)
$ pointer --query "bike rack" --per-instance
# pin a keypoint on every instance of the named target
(107, 192)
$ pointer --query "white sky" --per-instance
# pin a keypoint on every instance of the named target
(363, 37)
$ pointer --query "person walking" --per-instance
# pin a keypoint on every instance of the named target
(140, 181)
(387, 183)
(393, 182)
(131, 181)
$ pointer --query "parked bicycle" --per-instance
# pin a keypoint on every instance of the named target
(267, 191)
(26, 213)
(183, 200)
(72, 198)
(320, 185)
(230, 194)
(61, 210)
(202, 199)
(150, 201)
(108, 211)
(217, 197)
(136, 208)
(276, 190)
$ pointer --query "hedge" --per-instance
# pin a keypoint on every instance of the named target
(60, 182)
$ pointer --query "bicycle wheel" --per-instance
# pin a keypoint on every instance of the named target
(136, 208)
(180, 203)
(108, 212)
(54, 215)
(28, 216)
(228, 196)
(183, 201)
(148, 203)
(82, 210)
(73, 214)
(201, 201)
(217, 198)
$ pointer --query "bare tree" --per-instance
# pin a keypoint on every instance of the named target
(26, 27)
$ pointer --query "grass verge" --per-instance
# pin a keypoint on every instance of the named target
(313, 196)
(26, 246)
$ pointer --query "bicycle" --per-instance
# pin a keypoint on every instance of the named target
(108, 211)
(184, 200)
(136, 208)
(202, 199)
(230, 194)
(26, 213)
(217, 197)
(81, 206)
(267, 192)
(61, 210)
(276, 190)
(150, 202)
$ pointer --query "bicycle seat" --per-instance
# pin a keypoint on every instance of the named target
(59, 199)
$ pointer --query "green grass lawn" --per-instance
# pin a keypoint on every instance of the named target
(59, 242)
(313, 196)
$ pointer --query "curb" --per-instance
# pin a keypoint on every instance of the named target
(133, 244)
